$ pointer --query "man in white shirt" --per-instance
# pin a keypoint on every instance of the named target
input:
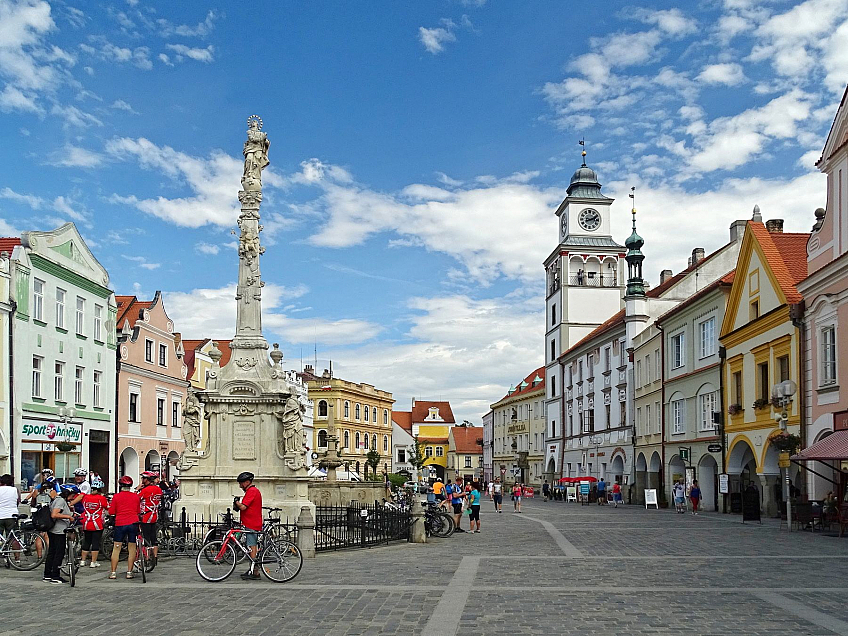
(9, 500)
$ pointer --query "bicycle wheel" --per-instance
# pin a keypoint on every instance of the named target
(141, 561)
(71, 560)
(447, 526)
(106, 544)
(215, 561)
(26, 555)
(281, 561)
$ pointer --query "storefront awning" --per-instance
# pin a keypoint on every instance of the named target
(832, 447)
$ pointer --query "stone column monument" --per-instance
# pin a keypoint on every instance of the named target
(255, 420)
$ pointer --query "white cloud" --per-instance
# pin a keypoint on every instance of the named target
(142, 262)
(73, 116)
(6, 229)
(165, 59)
(207, 248)
(198, 54)
(107, 51)
(31, 200)
(12, 98)
(65, 205)
(75, 157)
(166, 29)
(670, 21)
(434, 39)
(729, 74)
(120, 104)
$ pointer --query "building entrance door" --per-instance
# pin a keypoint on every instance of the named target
(98, 454)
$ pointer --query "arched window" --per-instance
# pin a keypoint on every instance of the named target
(374, 441)
(367, 413)
(347, 439)
(322, 438)
(322, 408)
(347, 410)
(385, 443)
(385, 417)
(357, 411)
(366, 441)
(357, 443)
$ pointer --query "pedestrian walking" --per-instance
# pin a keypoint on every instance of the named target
(695, 497)
(602, 492)
(516, 497)
(546, 490)
(497, 494)
(678, 493)
(616, 494)
(474, 504)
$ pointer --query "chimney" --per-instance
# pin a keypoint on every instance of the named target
(326, 374)
(665, 275)
(737, 230)
(775, 226)
(697, 255)
(308, 369)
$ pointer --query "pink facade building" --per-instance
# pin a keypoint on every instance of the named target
(152, 384)
(825, 291)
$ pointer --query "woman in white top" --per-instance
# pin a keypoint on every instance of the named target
(9, 500)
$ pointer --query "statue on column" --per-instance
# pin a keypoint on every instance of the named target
(191, 422)
(290, 430)
(255, 154)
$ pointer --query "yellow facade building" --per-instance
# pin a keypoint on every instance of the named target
(761, 343)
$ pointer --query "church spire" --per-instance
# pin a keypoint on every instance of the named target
(634, 243)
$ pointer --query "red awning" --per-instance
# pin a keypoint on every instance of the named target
(576, 480)
(832, 447)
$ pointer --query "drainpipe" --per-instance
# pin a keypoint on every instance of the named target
(116, 412)
(11, 397)
(561, 372)
(662, 413)
(796, 313)
(722, 355)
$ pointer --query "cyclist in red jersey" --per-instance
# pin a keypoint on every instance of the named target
(250, 507)
(151, 499)
(94, 508)
(126, 508)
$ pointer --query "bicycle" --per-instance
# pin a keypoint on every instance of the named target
(19, 546)
(279, 560)
(71, 562)
(438, 524)
(144, 559)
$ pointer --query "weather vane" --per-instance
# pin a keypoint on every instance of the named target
(632, 195)
(582, 142)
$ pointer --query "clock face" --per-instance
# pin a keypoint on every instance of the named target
(589, 219)
(563, 224)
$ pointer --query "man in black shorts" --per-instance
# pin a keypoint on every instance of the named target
(456, 500)
(497, 494)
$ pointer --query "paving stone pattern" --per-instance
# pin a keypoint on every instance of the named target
(640, 572)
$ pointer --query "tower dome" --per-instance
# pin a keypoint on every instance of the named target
(584, 184)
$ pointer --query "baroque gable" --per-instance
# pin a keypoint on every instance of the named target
(66, 248)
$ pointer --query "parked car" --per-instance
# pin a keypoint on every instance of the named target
(416, 486)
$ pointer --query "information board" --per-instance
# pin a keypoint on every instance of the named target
(651, 498)
(723, 484)
(751, 505)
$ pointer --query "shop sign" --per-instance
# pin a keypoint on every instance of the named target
(522, 427)
(714, 448)
(840, 421)
(52, 432)
(723, 484)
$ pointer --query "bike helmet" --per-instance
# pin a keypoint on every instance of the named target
(97, 483)
(81, 472)
(245, 476)
(47, 472)
(49, 482)
(69, 489)
(126, 480)
(149, 474)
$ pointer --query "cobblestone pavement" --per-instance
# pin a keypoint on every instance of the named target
(554, 569)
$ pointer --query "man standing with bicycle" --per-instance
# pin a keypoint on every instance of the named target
(62, 516)
(250, 507)
(151, 499)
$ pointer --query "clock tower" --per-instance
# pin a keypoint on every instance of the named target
(585, 278)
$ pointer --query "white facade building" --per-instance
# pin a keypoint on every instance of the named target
(64, 340)
(6, 248)
(488, 444)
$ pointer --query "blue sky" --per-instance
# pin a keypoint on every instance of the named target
(418, 151)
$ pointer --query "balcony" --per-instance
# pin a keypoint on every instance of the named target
(592, 279)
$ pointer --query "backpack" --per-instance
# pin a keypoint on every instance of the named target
(42, 519)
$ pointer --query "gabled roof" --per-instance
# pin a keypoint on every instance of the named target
(421, 409)
(8, 244)
(724, 281)
(129, 309)
(527, 385)
(787, 257)
(616, 320)
(835, 141)
(465, 439)
(403, 419)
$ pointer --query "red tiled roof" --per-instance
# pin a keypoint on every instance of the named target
(192, 346)
(787, 257)
(421, 409)
(724, 281)
(8, 244)
(434, 440)
(540, 372)
(611, 323)
(465, 439)
(403, 419)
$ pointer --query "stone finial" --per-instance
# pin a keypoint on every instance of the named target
(757, 217)
(276, 355)
(820, 214)
(215, 353)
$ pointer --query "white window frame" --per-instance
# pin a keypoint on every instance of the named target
(97, 379)
(385, 443)
(707, 403)
(176, 412)
(638, 420)
(98, 323)
(678, 417)
(37, 375)
(347, 409)
(678, 350)
(707, 340)
(647, 419)
(828, 354)
(137, 394)
(38, 299)
(79, 385)
(59, 381)
(80, 321)
(367, 417)
(357, 412)
(468, 462)
(428, 451)
(161, 400)
(440, 451)
(401, 458)
(358, 439)
(657, 368)
(374, 441)
(658, 418)
(148, 346)
(325, 441)
(60, 307)
(163, 349)
(385, 417)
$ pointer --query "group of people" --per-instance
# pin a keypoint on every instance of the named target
(679, 494)
(83, 502)
(458, 497)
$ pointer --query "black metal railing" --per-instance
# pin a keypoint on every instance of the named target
(359, 526)
(590, 279)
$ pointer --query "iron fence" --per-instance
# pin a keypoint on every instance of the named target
(359, 526)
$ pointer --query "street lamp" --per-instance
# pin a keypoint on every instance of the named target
(597, 440)
(66, 416)
(782, 394)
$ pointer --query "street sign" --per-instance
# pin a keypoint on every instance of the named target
(684, 454)
(723, 484)
(783, 460)
(714, 448)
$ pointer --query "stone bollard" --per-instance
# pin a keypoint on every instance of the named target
(417, 534)
(306, 533)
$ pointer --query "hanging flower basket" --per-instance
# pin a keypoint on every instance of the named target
(65, 447)
(735, 409)
(785, 442)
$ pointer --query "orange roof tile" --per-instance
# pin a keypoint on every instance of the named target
(403, 419)
(787, 257)
(8, 244)
(421, 409)
(466, 438)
